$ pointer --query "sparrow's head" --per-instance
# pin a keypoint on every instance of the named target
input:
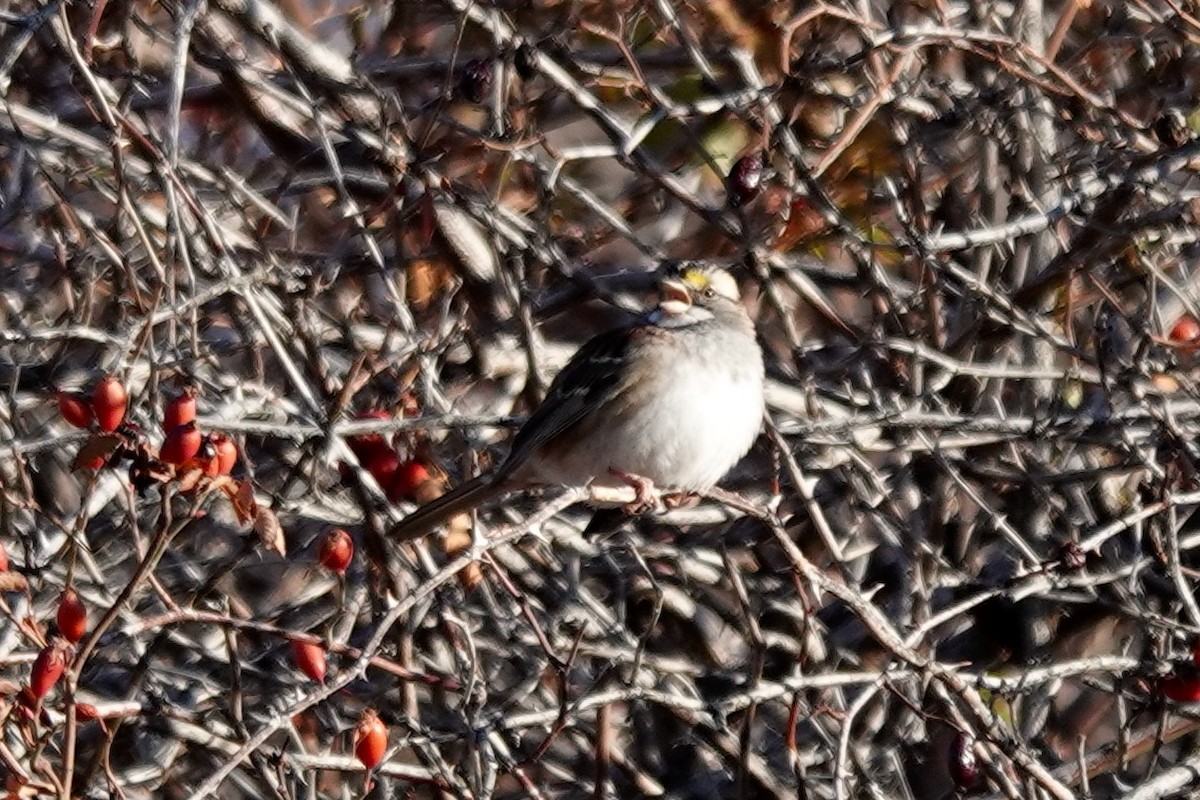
(694, 291)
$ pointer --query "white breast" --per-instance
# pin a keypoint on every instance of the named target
(686, 438)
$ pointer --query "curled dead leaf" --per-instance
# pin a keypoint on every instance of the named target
(803, 223)
(456, 541)
(269, 531)
(241, 497)
(1164, 383)
(13, 582)
(98, 447)
(425, 279)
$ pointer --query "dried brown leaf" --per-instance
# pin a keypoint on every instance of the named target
(13, 582)
(456, 542)
(100, 445)
(241, 497)
(269, 531)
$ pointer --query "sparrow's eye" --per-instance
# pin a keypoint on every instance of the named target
(710, 292)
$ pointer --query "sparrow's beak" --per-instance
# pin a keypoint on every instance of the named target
(676, 299)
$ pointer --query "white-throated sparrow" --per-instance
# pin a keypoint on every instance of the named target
(673, 401)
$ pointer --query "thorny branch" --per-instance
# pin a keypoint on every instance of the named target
(365, 237)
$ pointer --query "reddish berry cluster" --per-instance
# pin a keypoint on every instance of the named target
(370, 735)
(105, 407)
(184, 446)
(400, 480)
(53, 658)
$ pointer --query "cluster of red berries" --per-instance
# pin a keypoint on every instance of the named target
(189, 451)
(370, 736)
(52, 660)
(105, 407)
(184, 446)
(335, 550)
(399, 479)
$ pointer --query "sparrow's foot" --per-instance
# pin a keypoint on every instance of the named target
(645, 497)
(674, 500)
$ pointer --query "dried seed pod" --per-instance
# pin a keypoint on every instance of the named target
(269, 530)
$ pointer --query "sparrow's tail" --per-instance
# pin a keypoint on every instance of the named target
(474, 492)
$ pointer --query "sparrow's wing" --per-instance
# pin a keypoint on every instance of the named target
(589, 380)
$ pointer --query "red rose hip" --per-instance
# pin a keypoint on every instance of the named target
(227, 453)
(48, 667)
(71, 616)
(75, 409)
(370, 739)
(310, 659)
(182, 443)
(336, 550)
(180, 411)
(109, 403)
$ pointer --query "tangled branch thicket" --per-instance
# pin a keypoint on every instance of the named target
(966, 533)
